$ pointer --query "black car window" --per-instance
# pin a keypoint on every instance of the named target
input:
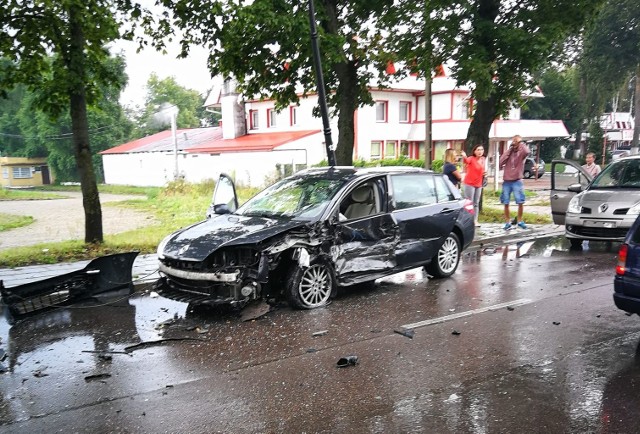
(412, 190)
(623, 173)
(443, 190)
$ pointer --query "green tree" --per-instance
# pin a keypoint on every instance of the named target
(502, 44)
(57, 48)
(265, 46)
(167, 91)
(612, 54)
(38, 135)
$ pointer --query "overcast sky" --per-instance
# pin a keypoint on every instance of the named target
(192, 72)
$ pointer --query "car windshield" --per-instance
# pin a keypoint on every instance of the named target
(621, 174)
(301, 198)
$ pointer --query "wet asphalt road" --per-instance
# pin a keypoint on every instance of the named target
(541, 348)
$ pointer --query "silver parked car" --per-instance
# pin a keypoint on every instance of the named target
(602, 209)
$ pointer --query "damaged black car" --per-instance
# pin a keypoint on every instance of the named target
(316, 231)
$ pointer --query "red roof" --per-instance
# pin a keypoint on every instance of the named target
(126, 147)
(208, 140)
(251, 142)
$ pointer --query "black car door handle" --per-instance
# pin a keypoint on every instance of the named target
(446, 211)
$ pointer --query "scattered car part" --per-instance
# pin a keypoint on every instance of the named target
(343, 362)
(102, 274)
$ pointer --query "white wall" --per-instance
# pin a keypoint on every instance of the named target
(247, 168)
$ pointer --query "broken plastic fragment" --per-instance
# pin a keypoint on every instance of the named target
(455, 333)
(347, 361)
(320, 333)
(406, 332)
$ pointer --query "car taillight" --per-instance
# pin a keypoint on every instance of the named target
(622, 259)
(468, 205)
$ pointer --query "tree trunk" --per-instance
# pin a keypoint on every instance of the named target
(480, 127)
(80, 129)
(347, 89)
(347, 92)
(636, 113)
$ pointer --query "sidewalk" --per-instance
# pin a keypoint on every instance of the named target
(145, 267)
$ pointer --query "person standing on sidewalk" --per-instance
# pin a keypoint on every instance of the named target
(512, 161)
(474, 177)
(450, 169)
(591, 167)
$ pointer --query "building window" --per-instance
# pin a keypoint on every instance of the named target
(293, 115)
(405, 112)
(390, 149)
(253, 119)
(5, 172)
(381, 111)
(404, 149)
(271, 117)
(21, 172)
(376, 148)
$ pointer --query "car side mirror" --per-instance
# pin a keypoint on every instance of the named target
(575, 188)
(218, 209)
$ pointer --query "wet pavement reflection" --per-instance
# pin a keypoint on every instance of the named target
(557, 362)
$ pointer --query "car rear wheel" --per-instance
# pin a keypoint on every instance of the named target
(310, 287)
(445, 262)
(527, 174)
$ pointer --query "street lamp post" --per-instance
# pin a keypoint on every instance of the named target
(322, 100)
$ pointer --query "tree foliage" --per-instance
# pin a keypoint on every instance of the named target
(612, 55)
(503, 44)
(57, 48)
(265, 45)
(191, 112)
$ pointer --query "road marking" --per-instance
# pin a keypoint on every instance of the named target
(442, 319)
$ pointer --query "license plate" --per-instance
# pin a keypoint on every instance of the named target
(600, 224)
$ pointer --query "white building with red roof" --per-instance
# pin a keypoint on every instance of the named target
(255, 142)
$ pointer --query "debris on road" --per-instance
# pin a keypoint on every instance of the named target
(106, 273)
(319, 333)
(455, 333)
(148, 344)
(96, 377)
(406, 332)
(347, 361)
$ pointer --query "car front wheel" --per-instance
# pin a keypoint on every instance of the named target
(445, 262)
(310, 287)
(527, 174)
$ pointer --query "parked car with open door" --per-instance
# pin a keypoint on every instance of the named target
(602, 209)
(315, 231)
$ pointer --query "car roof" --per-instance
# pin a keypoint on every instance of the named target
(351, 171)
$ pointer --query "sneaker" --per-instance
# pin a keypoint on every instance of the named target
(507, 226)
(522, 225)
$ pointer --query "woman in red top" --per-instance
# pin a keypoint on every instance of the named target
(474, 177)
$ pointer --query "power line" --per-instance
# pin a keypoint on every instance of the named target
(58, 137)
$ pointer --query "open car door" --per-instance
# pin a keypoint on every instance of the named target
(225, 200)
(568, 178)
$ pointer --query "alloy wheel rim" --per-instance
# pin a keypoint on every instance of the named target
(448, 255)
(315, 286)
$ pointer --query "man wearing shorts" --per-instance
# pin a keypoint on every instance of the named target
(512, 161)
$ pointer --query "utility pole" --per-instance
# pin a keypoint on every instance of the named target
(322, 100)
(427, 120)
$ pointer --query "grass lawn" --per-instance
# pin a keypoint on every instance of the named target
(10, 194)
(178, 205)
(10, 221)
(174, 207)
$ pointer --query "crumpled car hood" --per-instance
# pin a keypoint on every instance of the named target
(198, 241)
